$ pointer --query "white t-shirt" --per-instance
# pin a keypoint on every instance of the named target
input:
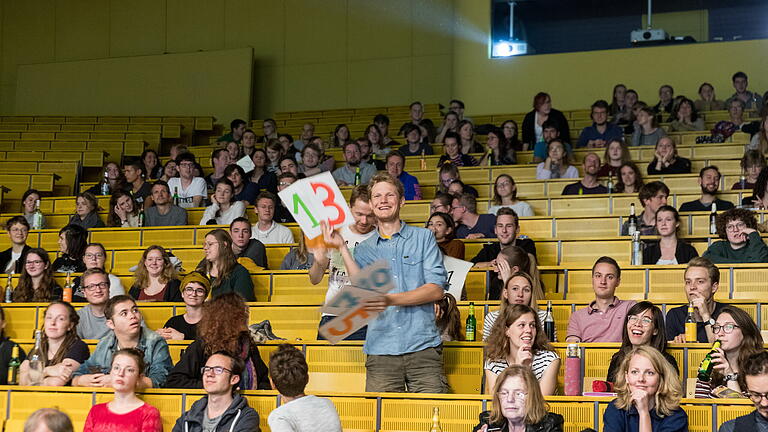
(337, 272)
(522, 208)
(276, 234)
(196, 188)
(305, 414)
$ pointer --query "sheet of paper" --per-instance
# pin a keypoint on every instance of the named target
(246, 163)
(457, 273)
(315, 199)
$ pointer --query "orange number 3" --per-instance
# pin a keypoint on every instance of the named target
(329, 202)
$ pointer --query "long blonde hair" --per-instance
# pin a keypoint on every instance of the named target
(536, 407)
(669, 390)
(141, 276)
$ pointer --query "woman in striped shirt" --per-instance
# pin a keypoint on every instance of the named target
(517, 338)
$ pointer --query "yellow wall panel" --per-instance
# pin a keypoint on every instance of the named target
(20, 45)
(379, 82)
(321, 84)
(137, 27)
(686, 23)
(432, 77)
(260, 24)
(315, 31)
(268, 90)
(433, 24)
(379, 29)
(195, 25)
(82, 29)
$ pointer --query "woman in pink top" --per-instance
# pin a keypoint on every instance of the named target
(126, 413)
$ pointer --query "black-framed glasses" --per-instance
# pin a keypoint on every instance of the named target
(755, 396)
(100, 285)
(644, 321)
(217, 370)
(727, 328)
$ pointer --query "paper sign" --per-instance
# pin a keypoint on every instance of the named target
(246, 163)
(457, 273)
(371, 281)
(314, 199)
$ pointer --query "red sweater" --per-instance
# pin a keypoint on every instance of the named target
(145, 418)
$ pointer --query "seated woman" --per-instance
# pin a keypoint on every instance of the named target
(341, 136)
(467, 138)
(155, 278)
(449, 174)
(669, 250)
(517, 338)
(327, 161)
(28, 205)
(444, 228)
(643, 326)
(649, 393)
(647, 131)
(521, 284)
(73, 239)
(616, 155)
(126, 413)
(505, 195)
(86, 212)
(222, 268)
(630, 179)
(310, 160)
(170, 170)
(666, 161)
(448, 319)
(63, 351)
(151, 162)
(685, 117)
(194, 289)
(379, 147)
(441, 203)
(123, 211)
(95, 256)
(759, 140)
(261, 177)
(509, 128)
(299, 257)
(556, 165)
(741, 243)
(223, 209)
(453, 153)
(274, 151)
(223, 327)
(751, 164)
(739, 338)
(707, 100)
(113, 177)
(450, 124)
(245, 190)
(499, 150)
(36, 283)
(518, 405)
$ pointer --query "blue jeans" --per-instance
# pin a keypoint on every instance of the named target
(358, 335)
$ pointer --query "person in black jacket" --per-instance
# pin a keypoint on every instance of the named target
(223, 327)
(156, 278)
(543, 111)
(12, 259)
(518, 403)
(73, 239)
(669, 249)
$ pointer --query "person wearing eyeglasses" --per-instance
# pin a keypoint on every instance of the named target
(95, 256)
(644, 325)
(222, 408)
(36, 283)
(648, 395)
(754, 382)
(191, 190)
(93, 323)
(739, 338)
(518, 405)
(194, 290)
(126, 331)
(126, 412)
(741, 241)
(12, 259)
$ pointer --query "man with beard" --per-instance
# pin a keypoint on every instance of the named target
(709, 180)
(601, 132)
(347, 174)
(588, 184)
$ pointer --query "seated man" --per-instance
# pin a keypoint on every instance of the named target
(12, 259)
(190, 189)
(367, 155)
(244, 246)
(282, 214)
(289, 374)
(164, 212)
(601, 132)
(702, 279)
(93, 323)
(266, 229)
(753, 379)
(752, 101)
(124, 321)
(222, 408)
(506, 228)
(602, 320)
(347, 175)
(471, 225)
(237, 128)
(588, 184)
(395, 163)
(220, 160)
(549, 132)
(709, 180)
(741, 242)
(652, 196)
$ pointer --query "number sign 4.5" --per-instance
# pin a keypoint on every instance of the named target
(315, 199)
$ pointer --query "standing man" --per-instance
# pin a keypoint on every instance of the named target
(222, 408)
(403, 345)
(588, 184)
(709, 181)
(702, 279)
(353, 235)
(603, 319)
(601, 132)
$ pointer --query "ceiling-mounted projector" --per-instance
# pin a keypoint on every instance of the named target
(649, 34)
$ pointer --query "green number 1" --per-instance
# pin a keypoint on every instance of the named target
(298, 202)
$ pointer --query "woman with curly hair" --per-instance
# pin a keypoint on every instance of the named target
(36, 283)
(63, 351)
(155, 278)
(223, 327)
(629, 178)
(741, 242)
(517, 338)
(648, 398)
(222, 268)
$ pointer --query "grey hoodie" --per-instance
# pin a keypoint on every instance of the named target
(239, 417)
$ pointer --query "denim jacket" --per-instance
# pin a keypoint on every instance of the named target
(156, 356)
